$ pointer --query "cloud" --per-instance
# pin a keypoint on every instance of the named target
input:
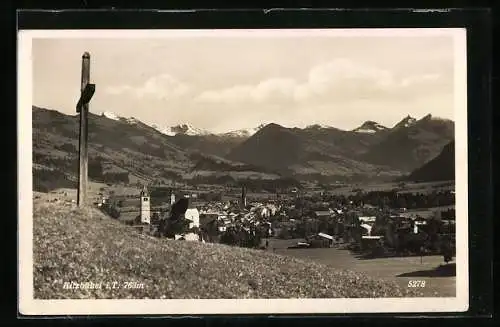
(278, 89)
(340, 90)
(419, 79)
(339, 80)
(162, 86)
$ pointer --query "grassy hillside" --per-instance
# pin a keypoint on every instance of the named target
(218, 145)
(72, 244)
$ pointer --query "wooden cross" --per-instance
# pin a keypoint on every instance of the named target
(82, 107)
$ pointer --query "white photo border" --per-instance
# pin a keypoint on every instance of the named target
(30, 306)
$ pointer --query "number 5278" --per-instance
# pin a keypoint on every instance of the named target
(416, 283)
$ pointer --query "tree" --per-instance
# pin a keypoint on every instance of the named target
(284, 233)
(447, 249)
(155, 218)
(210, 230)
(380, 226)
(137, 220)
(433, 227)
(176, 227)
(176, 223)
(95, 169)
(230, 237)
(401, 201)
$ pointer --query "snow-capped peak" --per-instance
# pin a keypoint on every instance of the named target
(318, 126)
(181, 129)
(164, 130)
(406, 122)
(110, 115)
(132, 120)
(245, 132)
(187, 129)
(370, 127)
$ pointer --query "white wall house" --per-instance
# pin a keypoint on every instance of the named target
(264, 212)
(194, 215)
(368, 228)
(368, 220)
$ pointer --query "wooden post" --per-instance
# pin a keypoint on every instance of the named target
(83, 138)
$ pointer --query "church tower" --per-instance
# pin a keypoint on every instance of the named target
(243, 201)
(172, 197)
(145, 206)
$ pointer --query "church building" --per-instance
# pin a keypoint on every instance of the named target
(145, 206)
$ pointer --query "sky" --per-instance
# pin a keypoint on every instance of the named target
(224, 82)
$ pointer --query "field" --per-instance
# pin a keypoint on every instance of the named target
(400, 270)
(346, 189)
(94, 188)
(426, 213)
(407, 187)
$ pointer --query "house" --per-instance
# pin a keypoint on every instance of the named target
(194, 215)
(420, 221)
(368, 228)
(367, 220)
(320, 240)
(322, 214)
(368, 237)
(327, 237)
(272, 209)
(264, 212)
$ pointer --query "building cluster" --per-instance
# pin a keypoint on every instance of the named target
(231, 214)
(320, 222)
(367, 227)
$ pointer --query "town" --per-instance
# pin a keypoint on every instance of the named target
(375, 223)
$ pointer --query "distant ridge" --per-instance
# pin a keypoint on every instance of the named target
(316, 152)
(188, 129)
(410, 144)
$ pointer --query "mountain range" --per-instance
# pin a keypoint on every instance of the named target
(183, 129)
(184, 152)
